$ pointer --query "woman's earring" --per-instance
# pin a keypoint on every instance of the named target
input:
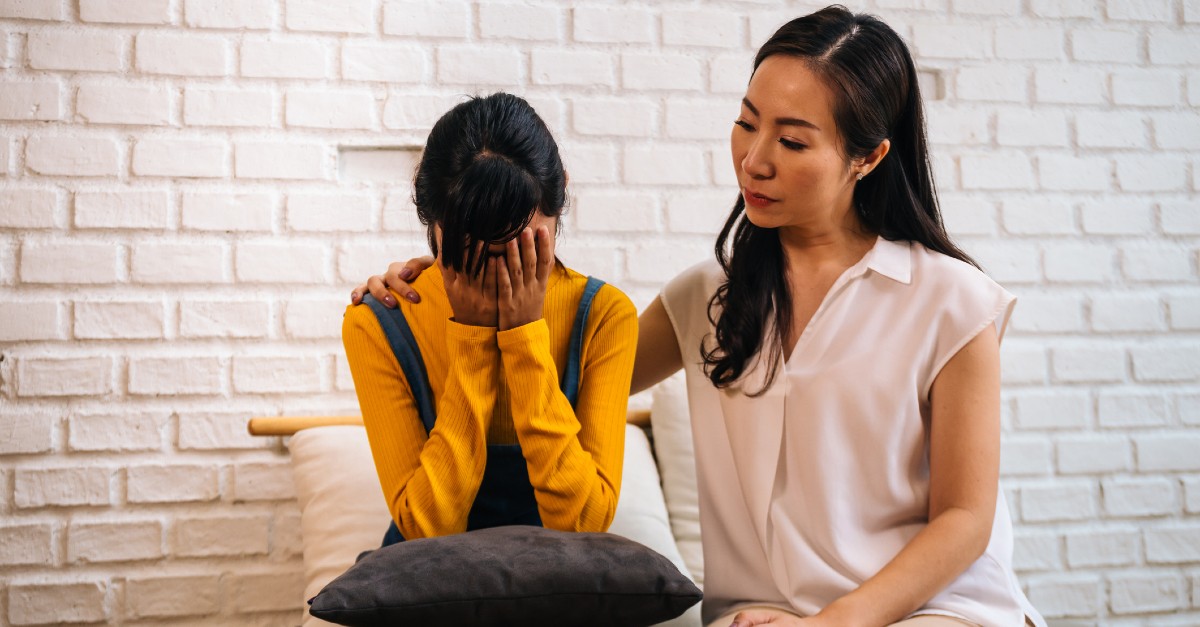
(859, 177)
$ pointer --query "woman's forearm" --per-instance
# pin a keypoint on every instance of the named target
(935, 557)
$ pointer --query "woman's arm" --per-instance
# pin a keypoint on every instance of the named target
(964, 474)
(658, 354)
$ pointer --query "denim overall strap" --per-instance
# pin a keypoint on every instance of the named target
(404, 345)
(570, 382)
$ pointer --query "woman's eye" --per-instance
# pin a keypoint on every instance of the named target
(791, 145)
(744, 124)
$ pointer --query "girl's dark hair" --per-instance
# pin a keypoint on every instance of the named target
(488, 165)
(874, 82)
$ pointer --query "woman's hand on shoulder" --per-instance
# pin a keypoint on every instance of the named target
(397, 279)
(522, 277)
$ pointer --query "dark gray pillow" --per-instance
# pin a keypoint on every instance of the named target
(509, 576)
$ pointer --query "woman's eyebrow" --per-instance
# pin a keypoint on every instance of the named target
(782, 121)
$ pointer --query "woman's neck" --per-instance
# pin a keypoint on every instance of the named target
(825, 247)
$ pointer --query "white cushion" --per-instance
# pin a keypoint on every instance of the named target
(672, 429)
(642, 515)
(342, 508)
(343, 512)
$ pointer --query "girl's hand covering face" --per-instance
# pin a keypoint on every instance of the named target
(511, 291)
(522, 277)
(473, 298)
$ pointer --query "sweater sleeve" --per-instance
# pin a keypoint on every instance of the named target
(574, 456)
(430, 482)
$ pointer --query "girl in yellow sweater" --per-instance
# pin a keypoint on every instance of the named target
(501, 399)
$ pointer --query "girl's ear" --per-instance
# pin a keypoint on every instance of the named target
(566, 178)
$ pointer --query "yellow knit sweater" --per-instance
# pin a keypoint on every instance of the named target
(497, 387)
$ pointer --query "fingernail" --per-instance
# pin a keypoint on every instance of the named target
(405, 274)
(353, 296)
(387, 300)
(412, 297)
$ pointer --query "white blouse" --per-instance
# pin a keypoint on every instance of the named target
(811, 488)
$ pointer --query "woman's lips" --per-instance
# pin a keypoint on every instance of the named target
(755, 199)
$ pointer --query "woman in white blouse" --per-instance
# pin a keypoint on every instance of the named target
(842, 359)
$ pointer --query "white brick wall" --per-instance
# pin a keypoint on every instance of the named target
(177, 237)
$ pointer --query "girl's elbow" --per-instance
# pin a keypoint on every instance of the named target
(413, 524)
(590, 518)
(408, 527)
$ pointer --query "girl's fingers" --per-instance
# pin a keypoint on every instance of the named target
(529, 258)
(545, 253)
(473, 260)
(489, 277)
(478, 282)
(504, 282)
(512, 258)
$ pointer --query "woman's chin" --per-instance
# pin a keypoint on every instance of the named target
(763, 218)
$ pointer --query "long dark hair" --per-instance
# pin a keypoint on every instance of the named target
(874, 81)
(488, 165)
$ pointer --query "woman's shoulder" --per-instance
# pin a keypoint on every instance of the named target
(959, 292)
(687, 299)
(697, 282)
(936, 271)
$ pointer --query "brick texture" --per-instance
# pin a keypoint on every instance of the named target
(181, 222)
(70, 601)
(172, 597)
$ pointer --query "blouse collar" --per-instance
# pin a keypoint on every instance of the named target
(892, 259)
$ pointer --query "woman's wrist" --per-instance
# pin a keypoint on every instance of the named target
(844, 614)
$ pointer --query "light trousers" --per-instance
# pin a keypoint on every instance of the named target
(916, 621)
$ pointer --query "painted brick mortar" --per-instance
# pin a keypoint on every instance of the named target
(178, 232)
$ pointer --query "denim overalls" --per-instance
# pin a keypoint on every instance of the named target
(505, 495)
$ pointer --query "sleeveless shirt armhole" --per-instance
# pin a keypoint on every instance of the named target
(680, 332)
(999, 315)
(685, 299)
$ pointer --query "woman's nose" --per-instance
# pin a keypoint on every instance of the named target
(757, 161)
